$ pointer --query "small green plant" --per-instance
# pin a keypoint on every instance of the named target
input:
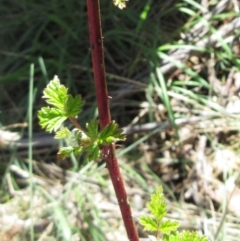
(165, 230)
(65, 106)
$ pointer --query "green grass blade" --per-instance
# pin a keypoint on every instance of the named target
(30, 149)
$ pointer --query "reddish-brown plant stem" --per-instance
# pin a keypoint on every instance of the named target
(96, 42)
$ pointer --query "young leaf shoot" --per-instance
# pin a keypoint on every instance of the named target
(167, 228)
(65, 106)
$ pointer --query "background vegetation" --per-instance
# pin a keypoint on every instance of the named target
(173, 74)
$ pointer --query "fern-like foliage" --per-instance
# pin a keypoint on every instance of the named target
(164, 229)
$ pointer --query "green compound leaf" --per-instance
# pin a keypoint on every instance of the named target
(73, 105)
(148, 223)
(167, 229)
(65, 152)
(92, 151)
(184, 236)
(63, 133)
(92, 127)
(51, 118)
(110, 134)
(157, 205)
(55, 93)
(168, 226)
(64, 106)
(174, 236)
(74, 138)
(191, 236)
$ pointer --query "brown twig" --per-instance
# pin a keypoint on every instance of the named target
(75, 123)
(104, 114)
